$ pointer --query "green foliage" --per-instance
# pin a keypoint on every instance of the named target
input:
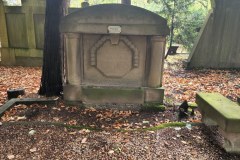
(185, 17)
(188, 15)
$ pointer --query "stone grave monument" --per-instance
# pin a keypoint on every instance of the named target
(114, 53)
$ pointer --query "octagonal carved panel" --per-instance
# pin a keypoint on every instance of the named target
(114, 60)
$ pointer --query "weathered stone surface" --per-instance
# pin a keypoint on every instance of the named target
(217, 43)
(21, 32)
(114, 56)
(231, 141)
(154, 95)
(116, 63)
(17, 30)
(96, 95)
(39, 21)
(156, 61)
(220, 110)
(3, 27)
(133, 20)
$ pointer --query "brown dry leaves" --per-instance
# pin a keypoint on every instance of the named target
(183, 84)
(179, 84)
(18, 77)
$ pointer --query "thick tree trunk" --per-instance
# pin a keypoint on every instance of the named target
(51, 81)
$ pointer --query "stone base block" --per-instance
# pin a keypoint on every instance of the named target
(103, 95)
(154, 95)
(100, 95)
(231, 142)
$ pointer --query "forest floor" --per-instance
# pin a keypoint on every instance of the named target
(70, 132)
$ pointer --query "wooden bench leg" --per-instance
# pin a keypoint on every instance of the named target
(231, 141)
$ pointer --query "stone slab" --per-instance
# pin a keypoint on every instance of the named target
(7, 57)
(103, 95)
(26, 101)
(221, 110)
(154, 95)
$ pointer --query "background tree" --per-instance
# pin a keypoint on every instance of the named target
(185, 17)
(51, 81)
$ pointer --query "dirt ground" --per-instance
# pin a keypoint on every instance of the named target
(50, 142)
(48, 132)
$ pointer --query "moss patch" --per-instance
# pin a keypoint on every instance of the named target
(152, 107)
(166, 125)
(192, 105)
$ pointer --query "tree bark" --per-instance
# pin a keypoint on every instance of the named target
(51, 80)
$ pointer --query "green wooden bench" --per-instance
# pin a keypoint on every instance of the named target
(218, 110)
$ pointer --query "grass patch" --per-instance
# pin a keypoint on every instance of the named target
(24, 123)
(192, 105)
(153, 107)
(166, 125)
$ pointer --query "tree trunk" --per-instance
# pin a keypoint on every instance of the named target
(172, 28)
(51, 81)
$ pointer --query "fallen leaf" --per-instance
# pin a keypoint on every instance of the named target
(177, 128)
(31, 132)
(145, 122)
(84, 131)
(56, 119)
(110, 152)
(33, 149)
(152, 132)
(46, 131)
(21, 118)
(84, 140)
(10, 156)
(72, 122)
(72, 133)
(92, 109)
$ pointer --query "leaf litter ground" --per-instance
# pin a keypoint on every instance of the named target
(112, 141)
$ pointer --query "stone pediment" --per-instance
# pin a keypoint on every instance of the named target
(131, 19)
